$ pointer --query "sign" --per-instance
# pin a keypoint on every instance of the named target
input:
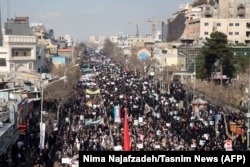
(22, 128)
(228, 145)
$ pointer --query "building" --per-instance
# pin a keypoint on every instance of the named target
(45, 38)
(66, 53)
(237, 30)
(69, 40)
(134, 40)
(101, 39)
(230, 17)
(41, 61)
(176, 26)
(92, 39)
(61, 42)
(19, 46)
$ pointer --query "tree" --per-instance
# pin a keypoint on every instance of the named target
(61, 92)
(215, 55)
(109, 48)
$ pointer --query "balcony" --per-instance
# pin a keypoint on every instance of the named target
(208, 14)
(241, 13)
(241, 6)
(20, 39)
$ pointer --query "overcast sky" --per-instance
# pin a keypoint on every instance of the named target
(82, 18)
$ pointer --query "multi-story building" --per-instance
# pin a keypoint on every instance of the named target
(194, 24)
(237, 30)
(19, 46)
(45, 38)
(175, 26)
(230, 17)
(132, 40)
(69, 40)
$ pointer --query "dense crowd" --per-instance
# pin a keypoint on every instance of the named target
(157, 121)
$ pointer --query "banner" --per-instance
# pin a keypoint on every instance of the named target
(117, 114)
(42, 135)
(92, 92)
(90, 122)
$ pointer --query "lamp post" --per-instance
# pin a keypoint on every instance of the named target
(248, 115)
(42, 125)
(194, 77)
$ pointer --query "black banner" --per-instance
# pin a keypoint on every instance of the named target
(163, 158)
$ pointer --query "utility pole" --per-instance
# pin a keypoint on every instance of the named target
(248, 114)
(221, 76)
(194, 77)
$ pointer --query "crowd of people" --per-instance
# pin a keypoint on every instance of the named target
(157, 121)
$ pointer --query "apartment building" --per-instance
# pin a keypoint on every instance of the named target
(232, 17)
(18, 52)
(45, 38)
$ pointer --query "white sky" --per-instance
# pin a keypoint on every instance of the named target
(82, 18)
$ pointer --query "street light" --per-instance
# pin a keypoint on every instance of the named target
(42, 125)
(248, 115)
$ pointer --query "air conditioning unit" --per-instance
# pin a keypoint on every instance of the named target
(1, 124)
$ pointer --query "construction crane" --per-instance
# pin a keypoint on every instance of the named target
(153, 26)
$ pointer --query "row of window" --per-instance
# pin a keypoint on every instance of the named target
(219, 24)
(230, 33)
(12, 66)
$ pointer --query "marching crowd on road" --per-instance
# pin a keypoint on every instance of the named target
(92, 121)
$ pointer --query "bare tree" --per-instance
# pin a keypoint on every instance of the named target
(109, 48)
(62, 91)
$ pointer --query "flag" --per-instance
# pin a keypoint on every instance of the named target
(126, 142)
(117, 114)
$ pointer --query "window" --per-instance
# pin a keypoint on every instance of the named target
(218, 24)
(231, 24)
(230, 33)
(206, 33)
(9, 31)
(24, 53)
(16, 53)
(237, 33)
(237, 24)
(206, 24)
(12, 67)
(30, 66)
(2, 62)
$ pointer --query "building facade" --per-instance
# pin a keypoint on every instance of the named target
(19, 46)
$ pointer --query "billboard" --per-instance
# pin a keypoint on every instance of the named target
(59, 61)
